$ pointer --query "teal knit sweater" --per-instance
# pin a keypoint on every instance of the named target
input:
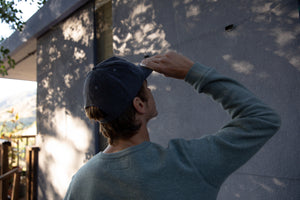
(186, 169)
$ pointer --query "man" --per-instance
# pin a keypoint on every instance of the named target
(131, 167)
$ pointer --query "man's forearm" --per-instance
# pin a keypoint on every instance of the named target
(233, 96)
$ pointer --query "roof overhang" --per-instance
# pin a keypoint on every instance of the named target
(22, 45)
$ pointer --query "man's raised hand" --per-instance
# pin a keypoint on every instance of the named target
(170, 64)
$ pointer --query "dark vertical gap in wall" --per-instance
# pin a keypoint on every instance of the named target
(103, 48)
(299, 8)
(96, 124)
(103, 15)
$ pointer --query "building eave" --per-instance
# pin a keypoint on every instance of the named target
(22, 45)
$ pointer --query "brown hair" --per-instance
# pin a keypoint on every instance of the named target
(124, 127)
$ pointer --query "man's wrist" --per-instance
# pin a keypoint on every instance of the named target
(196, 72)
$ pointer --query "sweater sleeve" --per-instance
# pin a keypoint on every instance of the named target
(216, 156)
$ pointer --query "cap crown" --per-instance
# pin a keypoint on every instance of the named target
(112, 85)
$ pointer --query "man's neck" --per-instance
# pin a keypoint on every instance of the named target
(119, 145)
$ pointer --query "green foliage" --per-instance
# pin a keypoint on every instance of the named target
(10, 130)
(10, 15)
(9, 64)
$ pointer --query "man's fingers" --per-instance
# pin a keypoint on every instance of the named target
(152, 62)
(152, 65)
(170, 64)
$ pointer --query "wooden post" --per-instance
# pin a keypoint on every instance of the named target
(16, 186)
(35, 164)
(28, 173)
(32, 172)
(16, 181)
(4, 168)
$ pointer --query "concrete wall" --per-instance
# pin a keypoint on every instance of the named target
(262, 51)
(64, 56)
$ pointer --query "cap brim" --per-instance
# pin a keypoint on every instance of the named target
(146, 71)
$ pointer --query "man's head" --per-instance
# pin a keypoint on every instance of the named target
(109, 93)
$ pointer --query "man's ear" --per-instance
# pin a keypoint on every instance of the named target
(139, 105)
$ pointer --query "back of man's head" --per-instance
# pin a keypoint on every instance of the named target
(109, 90)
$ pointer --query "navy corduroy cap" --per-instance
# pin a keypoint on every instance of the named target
(112, 85)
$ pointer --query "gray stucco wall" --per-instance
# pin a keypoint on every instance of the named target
(64, 56)
(262, 52)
